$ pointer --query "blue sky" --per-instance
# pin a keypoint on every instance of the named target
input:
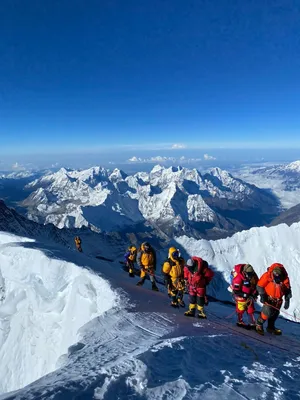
(97, 75)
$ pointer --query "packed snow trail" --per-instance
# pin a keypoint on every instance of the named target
(104, 365)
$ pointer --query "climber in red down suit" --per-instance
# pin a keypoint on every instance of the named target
(197, 275)
(244, 288)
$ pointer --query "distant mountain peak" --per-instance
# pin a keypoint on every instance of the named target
(294, 166)
(112, 200)
(157, 168)
(117, 175)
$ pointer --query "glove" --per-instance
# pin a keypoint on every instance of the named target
(286, 303)
(263, 298)
(288, 295)
(245, 295)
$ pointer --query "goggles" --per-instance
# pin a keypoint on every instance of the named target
(277, 278)
(175, 254)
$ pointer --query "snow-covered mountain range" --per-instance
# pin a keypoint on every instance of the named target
(168, 200)
(13, 222)
(289, 174)
(75, 326)
(282, 180)
(105, 245)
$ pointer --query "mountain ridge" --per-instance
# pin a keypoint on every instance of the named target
(196, 203)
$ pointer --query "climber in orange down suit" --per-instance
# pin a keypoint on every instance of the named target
(272, 286)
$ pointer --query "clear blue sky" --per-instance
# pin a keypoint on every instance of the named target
(92, 73)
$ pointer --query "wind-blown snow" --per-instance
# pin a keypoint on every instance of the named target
(43, 304)
(260, 247)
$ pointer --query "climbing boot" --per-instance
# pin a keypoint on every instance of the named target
(274, 331)
(259, 329)
(201, 313)
(190, 313)
(141, 282)
(154, 287)
(242, 324)
(181, 303)
(174, 304)
(131, 273)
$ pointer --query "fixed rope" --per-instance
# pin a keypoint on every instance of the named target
(247, 334)
(284, 312)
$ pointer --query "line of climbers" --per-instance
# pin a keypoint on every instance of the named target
(146, 260)
(195, 275)
(179, 277)
(273, 285)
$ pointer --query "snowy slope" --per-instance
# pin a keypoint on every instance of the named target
(44, 303)
(13, 222)
(97, 244)
(260, 247)
(168, 199)
(139, 349)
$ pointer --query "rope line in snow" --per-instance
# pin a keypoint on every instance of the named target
(245, 334)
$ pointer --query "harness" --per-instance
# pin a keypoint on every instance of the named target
(275, 302)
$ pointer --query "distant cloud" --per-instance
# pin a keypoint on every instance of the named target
(151, 159)
(135, 159)
(162, 159)
(208, 157)
(17, 167)
(178, 146)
